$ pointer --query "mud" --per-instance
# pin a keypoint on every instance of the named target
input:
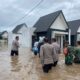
(26, 66)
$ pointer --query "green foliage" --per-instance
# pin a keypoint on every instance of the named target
(77, 51)
(71, 50)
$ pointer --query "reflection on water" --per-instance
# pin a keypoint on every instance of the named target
(60, 72)
(28, 67)
(3, 46)
(15, 65)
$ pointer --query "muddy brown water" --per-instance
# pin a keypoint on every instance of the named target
(26, 66)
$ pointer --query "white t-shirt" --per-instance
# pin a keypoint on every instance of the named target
(36, 44)
(15, 45)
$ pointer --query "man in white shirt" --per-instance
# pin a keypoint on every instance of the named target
(15, 46)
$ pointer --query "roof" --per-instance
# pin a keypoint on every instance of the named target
(18, 27)
(46, 21)
(74, 25)
(1, 33)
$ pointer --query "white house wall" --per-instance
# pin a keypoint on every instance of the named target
(78, 35)
(59, 23)
(78, 30)
(26, 37)
(22, 30)
(10, 38)
(5, 35)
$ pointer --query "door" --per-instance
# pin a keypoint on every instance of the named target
(59, 39)
(33, 40)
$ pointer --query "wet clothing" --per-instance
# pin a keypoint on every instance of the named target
(69, 55)
(15, 47)
(36, 44)
(68, 59)
(35, 48)
(55, 63)
(39, 46)
(47, 67)
(56, 49)
(46, 52)
(14, 53)
(46, 56)
(77, 55)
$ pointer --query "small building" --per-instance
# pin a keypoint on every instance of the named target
(24, 33)
(4, 35)
(75, 31)
(53, 25)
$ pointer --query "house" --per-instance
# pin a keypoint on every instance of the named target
(24, 33)
(0, 36)
(4, 35)
(75, 31)
(53, 25)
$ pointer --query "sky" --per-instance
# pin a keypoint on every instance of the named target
(12, 10)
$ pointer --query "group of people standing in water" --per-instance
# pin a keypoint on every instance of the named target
(49, 53)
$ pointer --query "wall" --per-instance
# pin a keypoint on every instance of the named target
(5, 35)
(78, 30)
(25, 35)
(78, 37)
(59, 23)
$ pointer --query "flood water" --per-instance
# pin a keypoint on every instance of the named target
(27, 67)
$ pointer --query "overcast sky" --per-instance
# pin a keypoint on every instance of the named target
(12, 10)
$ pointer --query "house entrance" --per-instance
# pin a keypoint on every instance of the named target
(60, 39)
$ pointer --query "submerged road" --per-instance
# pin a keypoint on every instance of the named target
(27, 67)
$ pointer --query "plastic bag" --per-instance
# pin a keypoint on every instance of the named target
(35, 49)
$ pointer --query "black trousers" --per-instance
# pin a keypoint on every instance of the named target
(47, 67)
(35, 53)
(55, 63)
(14, 53)
(76, 60)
